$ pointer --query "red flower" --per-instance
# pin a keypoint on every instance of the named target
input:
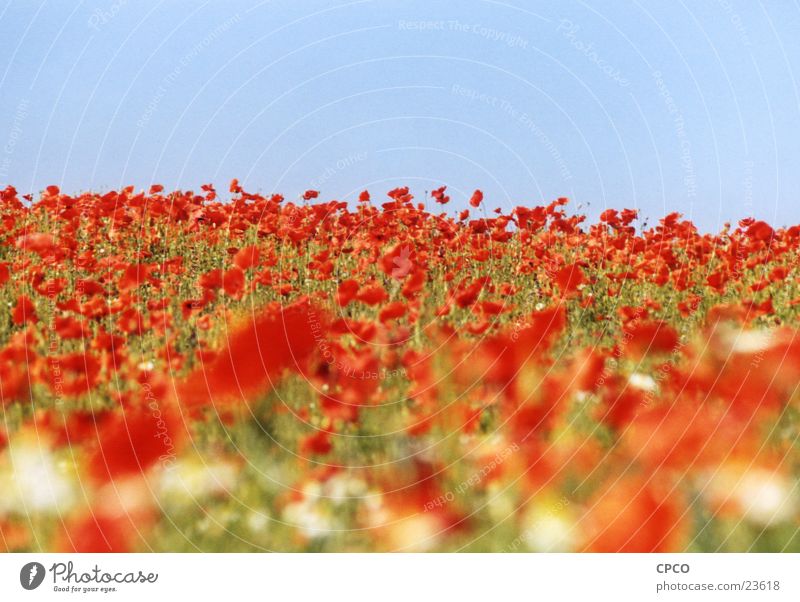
(397, 262)
(255, 356)
(372, 294)
(469, 294)
(133, 440)
(74, 373)
(98, 533)
(318, 444)
(760, 231)
(131, 322)
(651, 337)
(24, 311)
(233, 282)
(14, 378)
(135, 275)
(247, 258)
(40, 243)
(414, 283)
(476, 199)
(439, 195)
(568, 279)
(621, 402)
(211, 280)
(637, 514)
(717, 280)
(392, 311)
(347, 291)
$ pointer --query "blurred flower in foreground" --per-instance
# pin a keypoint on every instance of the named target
(32, 479)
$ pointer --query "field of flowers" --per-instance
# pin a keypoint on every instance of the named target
(182, 373)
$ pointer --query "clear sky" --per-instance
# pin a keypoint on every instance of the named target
(663, 106)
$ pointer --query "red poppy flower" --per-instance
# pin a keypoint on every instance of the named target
(247, 258)
(414, 283)
(760, 231)
(24, 311)
(569, 279)
(439, 195)
(651, 337)
(621, 402)
(40, 243)
(135, 439)
(93, 534)
(637, 514)
(136, 275)
(233, 282)
(372, 294)
(469, 294)
(392, 311)
(255, 355)
(317, 444)
(347, 291)
(476, 199)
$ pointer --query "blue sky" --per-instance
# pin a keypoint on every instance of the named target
(690, 107)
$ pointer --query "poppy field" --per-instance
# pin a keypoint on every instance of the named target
(191, 372)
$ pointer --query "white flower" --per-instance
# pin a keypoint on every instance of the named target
(417, 533)
(341, 488)
(751, 341)
(551, 533)
(33, 481)
(500, 502)
(257, 522)
(645, 382)
(312, 490)
(308, 516)
(766, 497)
(760, 495)
(549, 526)
(373, 500)
(189, 479)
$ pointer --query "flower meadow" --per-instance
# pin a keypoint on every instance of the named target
(182, 372)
